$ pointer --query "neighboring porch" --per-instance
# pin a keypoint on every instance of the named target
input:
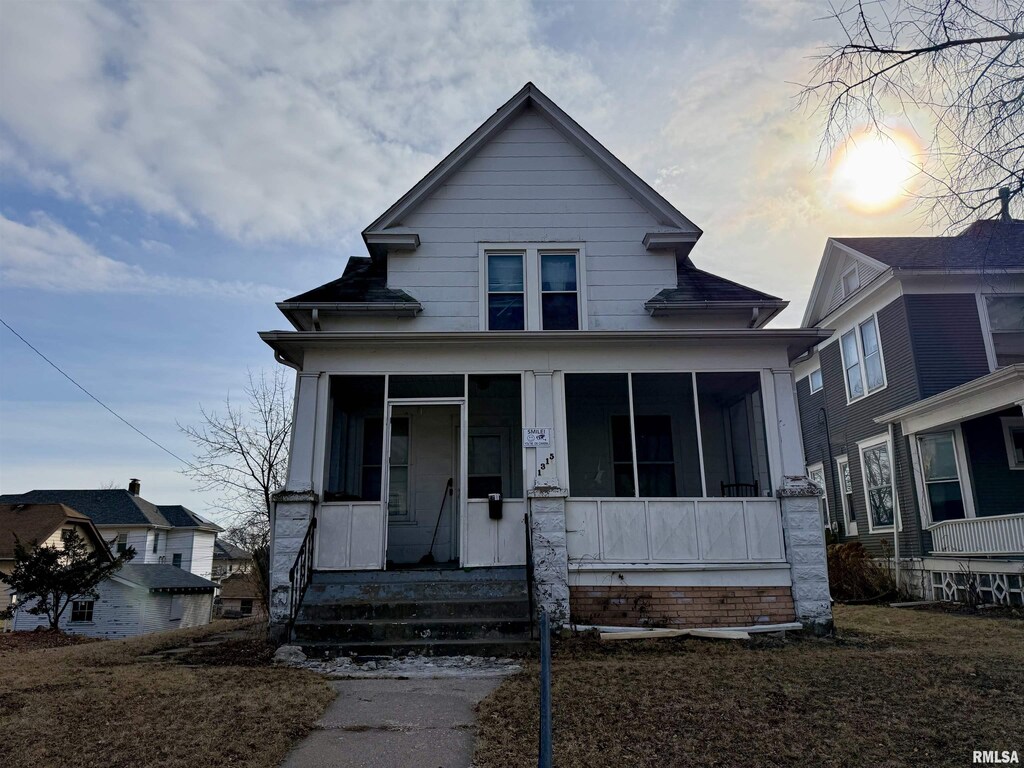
(967, 453)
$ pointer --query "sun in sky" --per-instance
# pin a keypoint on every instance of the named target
(873, 173)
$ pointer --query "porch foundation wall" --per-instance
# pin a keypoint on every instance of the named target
(681, 607)
(550, 557)
(804, 533)
(292, 513)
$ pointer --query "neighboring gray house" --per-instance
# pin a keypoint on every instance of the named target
(911, 411)
(138, 599)
(168, 534)
(529, 378)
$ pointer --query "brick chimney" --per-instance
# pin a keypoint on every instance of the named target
(134, 486)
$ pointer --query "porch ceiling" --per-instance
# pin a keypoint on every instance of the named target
(987, 394)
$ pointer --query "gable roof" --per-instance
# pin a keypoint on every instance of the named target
(163, 577)
(34, 523)
(531, 96)
(225, 550)
(986, 245)
(989, 244)
(113, 507)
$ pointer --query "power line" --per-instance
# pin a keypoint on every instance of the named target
(91, 395)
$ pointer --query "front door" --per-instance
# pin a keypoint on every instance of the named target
(423, 494)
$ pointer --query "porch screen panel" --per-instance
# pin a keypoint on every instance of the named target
(427, 385)
(667, 456)
(495, 451)
(733, 434)
(600, 446)
(356, 438)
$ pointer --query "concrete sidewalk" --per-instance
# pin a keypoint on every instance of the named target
(395, 724)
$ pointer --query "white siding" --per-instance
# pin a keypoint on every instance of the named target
(202, 553)
(528, 185)
(140, 538)
(116, 613)
(156, 615)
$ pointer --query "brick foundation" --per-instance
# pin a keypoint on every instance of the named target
(626, 606)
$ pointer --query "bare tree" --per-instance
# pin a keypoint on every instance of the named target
(242, 454)
(956, 64)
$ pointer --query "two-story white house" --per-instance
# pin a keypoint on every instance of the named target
(529, 394)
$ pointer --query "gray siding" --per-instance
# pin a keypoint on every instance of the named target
(530, 185)
(949, 349)
(998, 490)
(849, 424)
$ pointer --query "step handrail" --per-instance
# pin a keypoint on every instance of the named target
(303, 568)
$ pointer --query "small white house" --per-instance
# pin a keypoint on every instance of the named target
(138, 599)
(529, 323)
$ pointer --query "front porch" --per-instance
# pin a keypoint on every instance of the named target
(647, 476)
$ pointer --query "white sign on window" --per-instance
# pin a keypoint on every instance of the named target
(532, 437)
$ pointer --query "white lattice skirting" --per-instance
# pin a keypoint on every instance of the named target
(993, 588)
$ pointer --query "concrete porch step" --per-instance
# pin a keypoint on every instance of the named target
(500, 648)
(321, 610)
(389, 630)
(422, 575)
(404, 592)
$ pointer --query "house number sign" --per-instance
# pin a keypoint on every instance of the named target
(533, 437)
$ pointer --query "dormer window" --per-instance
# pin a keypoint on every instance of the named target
(559, 300)
(533, 287)
(851, 281)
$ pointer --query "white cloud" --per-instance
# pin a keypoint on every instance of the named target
(282, 120)
(47, 256)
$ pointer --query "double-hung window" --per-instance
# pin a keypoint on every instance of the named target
(1006, 323)
(846, 495)
(816, 474)
(526, 287)
(559, 298)
(940, 476)
(122, 543)
(81, 611)
(506, 292)
(862, 360)
(814, 381)
(879, 494)
(1013, 435)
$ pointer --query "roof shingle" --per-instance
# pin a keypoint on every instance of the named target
(363, 281)
(163, 576)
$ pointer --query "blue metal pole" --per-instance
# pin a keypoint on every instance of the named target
(545, 759)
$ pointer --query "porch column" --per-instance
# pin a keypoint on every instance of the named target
(801, 517)
(547, 513)
(295, 504)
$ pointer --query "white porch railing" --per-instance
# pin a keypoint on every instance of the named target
(997, 535)
(674, 531)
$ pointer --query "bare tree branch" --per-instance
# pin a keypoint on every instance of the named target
(957, 65)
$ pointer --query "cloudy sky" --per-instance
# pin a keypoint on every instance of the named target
(169, 170)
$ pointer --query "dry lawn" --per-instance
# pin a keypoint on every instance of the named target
(107, 704)
(896, 688)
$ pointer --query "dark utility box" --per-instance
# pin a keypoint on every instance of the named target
(494, 505)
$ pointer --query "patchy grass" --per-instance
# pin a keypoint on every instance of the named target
(895, 688)
(37, 639)
(138, 703)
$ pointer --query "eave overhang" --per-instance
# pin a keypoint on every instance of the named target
(288, 346)
(993, 392)
(679, 239)
(761, 311)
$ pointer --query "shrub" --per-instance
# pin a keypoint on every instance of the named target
(854, 575)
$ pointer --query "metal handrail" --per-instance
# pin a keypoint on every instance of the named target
(303, 568)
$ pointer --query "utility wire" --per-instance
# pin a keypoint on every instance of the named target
(90, 394)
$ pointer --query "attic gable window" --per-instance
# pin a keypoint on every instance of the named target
(851, 281)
